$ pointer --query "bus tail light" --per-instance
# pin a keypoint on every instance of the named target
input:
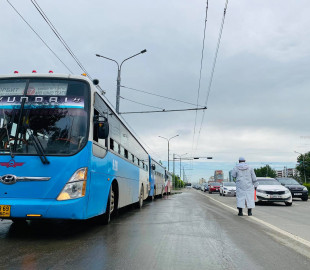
(75, 187)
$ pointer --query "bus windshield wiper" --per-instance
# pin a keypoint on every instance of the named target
(37, 145)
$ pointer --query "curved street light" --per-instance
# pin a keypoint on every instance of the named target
(168, 140)
(119, 68)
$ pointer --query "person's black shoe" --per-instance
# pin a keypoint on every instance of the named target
(240, 212)
(249, 212)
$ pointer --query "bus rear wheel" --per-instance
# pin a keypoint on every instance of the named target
(141, 197)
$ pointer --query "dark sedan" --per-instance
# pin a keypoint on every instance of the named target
(297, 190)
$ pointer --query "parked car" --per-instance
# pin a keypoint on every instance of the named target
(214, 187)
(297, 190)
(228, 188)
(270, 190)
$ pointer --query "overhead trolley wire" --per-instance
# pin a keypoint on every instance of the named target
(201, 64)
(44, 16)
(142, 103)
(174, 99)
(39, 37)
(213, 68)
(165, 111)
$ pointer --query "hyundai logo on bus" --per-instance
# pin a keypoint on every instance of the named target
(8, 179)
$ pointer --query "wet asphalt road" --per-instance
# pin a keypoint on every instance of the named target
(294, 219)
(183, 231)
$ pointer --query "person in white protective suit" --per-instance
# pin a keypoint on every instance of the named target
(245, 185)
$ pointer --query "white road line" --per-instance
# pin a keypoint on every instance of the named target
(285, 233)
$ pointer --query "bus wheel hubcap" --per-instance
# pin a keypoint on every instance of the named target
(112, 201)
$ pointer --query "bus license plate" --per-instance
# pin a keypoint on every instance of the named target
(5, 210)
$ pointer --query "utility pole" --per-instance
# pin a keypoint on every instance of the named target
(173, 173)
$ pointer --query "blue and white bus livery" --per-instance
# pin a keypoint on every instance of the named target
(64, 152)
(157, 179)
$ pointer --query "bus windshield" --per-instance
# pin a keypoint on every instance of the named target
(53, 112)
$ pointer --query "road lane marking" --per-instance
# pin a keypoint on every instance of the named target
(285, 233)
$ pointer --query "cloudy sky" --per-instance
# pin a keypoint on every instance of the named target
(258, 106)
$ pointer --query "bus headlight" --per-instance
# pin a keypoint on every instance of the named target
(76, 186)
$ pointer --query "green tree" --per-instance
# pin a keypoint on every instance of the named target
(303, 167)
(265, 171)
(177, 182)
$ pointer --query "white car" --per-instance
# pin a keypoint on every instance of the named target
(228, 188)
(270, 190)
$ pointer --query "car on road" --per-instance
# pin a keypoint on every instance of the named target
(297, 190)
(214, 187)
(270, 190)
(204, 187)
(228, 188)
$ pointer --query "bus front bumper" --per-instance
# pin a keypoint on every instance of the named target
(44, 209)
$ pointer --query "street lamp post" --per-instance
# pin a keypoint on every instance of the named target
(119, 68)
(180, 156)
(303, 162)
(168, 140)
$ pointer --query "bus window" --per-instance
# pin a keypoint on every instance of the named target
(125, 153)
(117, 147)
(111, 144)
(133, 158)
(102, 142)
(95, 130)
(122, 151)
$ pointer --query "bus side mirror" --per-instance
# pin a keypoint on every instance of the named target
(103, 130)
(102, 125)
(153, 167)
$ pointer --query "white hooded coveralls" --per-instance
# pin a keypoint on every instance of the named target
(246, 180)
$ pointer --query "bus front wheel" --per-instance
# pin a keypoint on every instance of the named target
(106, 217)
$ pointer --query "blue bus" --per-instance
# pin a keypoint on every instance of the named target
(65, 153)
(157, 179)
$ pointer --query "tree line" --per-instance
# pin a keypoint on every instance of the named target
(302, 167)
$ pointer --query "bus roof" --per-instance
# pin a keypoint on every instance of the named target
(45, 75)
